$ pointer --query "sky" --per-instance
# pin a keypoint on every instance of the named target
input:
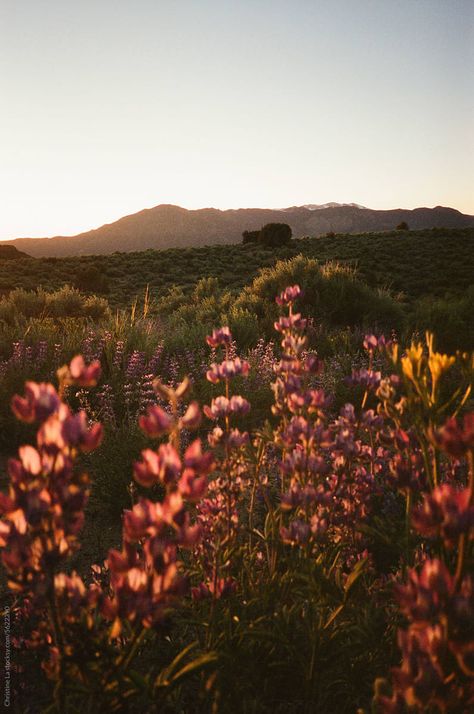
(111, 106)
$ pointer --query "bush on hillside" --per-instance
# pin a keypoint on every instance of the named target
(403, 226)
(37, 304)
(450, 319)
(332, 295)
(91, 279)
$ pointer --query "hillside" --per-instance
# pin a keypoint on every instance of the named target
(167, 226)
(9, 252)
(415, 263)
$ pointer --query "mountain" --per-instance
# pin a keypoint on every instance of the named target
(168, 226)
(9, 252)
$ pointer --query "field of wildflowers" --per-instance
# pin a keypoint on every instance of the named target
(215, 531)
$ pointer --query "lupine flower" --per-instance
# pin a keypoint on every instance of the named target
(222, 336)
(222, 407)
(298, 533)
(155, 422)
(227, 369)
(289, 295)
(366, 378)
(372, 343)
(283, 324)
(427, 594)
(40, 401)
(84, 375)
(454, 437)
(162, 466)
(445, 512)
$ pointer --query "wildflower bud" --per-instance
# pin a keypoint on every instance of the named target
(239, 405)
(76, 433)
(202, 592)
(297, 534)
(370, 343)
(82, 375)
(162, 466)
(155, 422)
(290, 322)
(454, 438)
(236, 439)
(40, 401)
(445, 512)
(289, 295)
(220, 407)
(215, 436)
(222, 336)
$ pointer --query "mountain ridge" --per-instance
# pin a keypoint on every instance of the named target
(169, 226)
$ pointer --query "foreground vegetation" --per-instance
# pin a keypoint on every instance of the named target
(311, 548)
(312, 557)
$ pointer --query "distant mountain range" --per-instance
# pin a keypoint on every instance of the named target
(168, 226)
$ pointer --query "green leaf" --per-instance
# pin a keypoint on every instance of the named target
(354, 576)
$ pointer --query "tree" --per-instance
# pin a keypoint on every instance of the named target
(275, 234)
(250, 236)
(403, 226)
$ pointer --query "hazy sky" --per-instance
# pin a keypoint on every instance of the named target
(111, 106)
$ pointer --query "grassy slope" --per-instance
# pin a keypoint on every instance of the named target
(416, 263)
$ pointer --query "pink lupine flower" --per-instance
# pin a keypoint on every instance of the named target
(84, 375)
(296, 322)
(372, 343)
(426, 594)
(298, 533)
(155, 422)
(221, 336)
(454, 437)
(289, 295)
(366, 378)
(215, 436)
(445, 512)
(40, 401)
(220, 407)
(163, 465)
(228, 369)
(77, 433)
(407, 471)
(191, 486)
(236, 439)
(145, 518)
(239, 405)
(195, 459)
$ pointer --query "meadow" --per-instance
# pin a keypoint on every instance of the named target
(236, 503)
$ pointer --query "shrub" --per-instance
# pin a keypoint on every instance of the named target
(450, 319)
(331, 294)
(275, 234)
(250, 236)
(66, 302)
(403, 226)
(91, 279)
(29, 303)
(96, 307)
